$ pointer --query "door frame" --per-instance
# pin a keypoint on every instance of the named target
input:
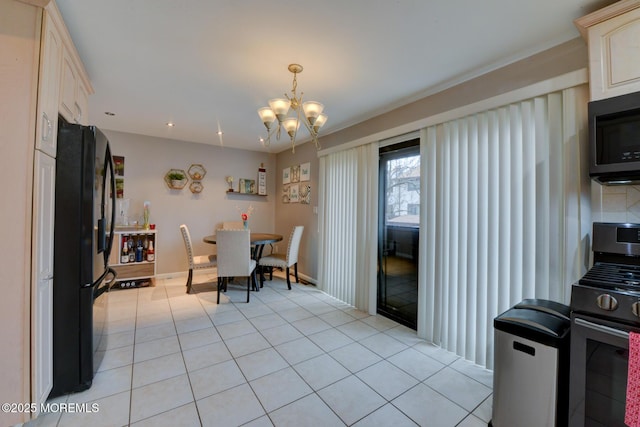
(386, 152)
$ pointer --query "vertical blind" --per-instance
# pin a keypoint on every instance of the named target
(504, 217)
(348, 221)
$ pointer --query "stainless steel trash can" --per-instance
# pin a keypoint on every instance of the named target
(531, 365)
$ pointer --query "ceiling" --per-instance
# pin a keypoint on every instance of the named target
(208, 65)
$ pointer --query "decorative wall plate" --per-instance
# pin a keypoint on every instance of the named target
(197, 172)
(196, 187)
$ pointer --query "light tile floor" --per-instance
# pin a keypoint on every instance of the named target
(288, 358)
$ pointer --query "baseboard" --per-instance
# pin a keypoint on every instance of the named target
(303, 277)
(180, 274)
(308, 279)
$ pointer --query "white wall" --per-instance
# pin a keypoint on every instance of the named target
(20, 46)
(147, 160)
(292, 214)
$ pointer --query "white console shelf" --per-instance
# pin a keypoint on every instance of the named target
(133, 273)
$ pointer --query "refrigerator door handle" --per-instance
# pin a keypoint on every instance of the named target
(113, 273)
(98, 280)
(102, 278)
(111, 237)
(107, 283)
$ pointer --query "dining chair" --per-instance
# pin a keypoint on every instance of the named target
(234, 225)
(234, 259)
(196, 262)
(284, 261)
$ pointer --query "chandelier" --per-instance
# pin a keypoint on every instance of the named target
(309, 113)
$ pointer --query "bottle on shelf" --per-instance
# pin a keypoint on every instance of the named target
(132, 253)
(151, 255)
(139, 250)
(145, 247)
(124, 256)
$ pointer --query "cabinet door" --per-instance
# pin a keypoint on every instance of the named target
(42, 300)
(48, 88)
(68, 84)
(82, 105)
(613, 56)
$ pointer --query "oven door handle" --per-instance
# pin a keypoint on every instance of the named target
(601, 328)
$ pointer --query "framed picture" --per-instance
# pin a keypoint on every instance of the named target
(250, 186)
(119, 188)
(305, 172)
(305, 194)
(286, 175)
(285, 194)
(118, 165)
(118, 169)
(295, 173)
(294, 196)
(247, 186)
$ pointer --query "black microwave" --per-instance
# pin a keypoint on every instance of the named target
(614, 139)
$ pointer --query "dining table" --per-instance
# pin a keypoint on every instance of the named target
(258, 241)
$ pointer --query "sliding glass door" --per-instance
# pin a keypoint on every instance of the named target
(398, 232)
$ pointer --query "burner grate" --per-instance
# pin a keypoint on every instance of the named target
(607, 274)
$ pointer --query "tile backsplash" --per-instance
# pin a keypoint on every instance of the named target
(616, 203)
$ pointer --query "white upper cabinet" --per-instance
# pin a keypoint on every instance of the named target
(73, 95)
(63, 86)
(613, 36)
(70, 95)
(49, 87)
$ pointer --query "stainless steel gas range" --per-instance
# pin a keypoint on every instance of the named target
(605, 307)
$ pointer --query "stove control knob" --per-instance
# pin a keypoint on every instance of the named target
(607, 302)
(635, 308)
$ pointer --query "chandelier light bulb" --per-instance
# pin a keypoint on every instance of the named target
(267, 116)
(312, 110)
(319, 122)
(280, 107)
(291, 125)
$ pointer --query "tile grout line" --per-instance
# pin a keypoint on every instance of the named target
(133, 356)
(324, 352)
(305, 299)
(184, 362)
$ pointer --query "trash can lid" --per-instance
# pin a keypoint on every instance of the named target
(532, 324)
(547, 306)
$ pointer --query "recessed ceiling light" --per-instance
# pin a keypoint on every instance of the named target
(171, 124)
(219, 132)
(109, 113)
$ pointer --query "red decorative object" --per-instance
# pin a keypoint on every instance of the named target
(632, 408)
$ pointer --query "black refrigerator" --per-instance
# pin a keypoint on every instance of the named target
(84, 221)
